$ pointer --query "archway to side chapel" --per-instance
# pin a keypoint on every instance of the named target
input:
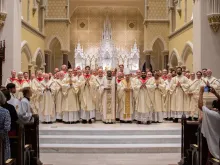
(56, 57)
(157, 58)
(174, 59)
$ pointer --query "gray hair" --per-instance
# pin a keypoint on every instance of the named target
(2, 98)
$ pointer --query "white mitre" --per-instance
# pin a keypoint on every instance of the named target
(127, 71)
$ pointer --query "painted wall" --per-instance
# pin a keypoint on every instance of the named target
(179, 42)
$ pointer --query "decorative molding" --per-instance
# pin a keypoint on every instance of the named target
(2, 19)
(34, 9)
(65, 52)
(47, 51)
(67, 20)
(214, 21)
(148, 52)
(184, 27)
(32, 29)
(146, 21)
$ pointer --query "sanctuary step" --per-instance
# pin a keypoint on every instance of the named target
(118, 138)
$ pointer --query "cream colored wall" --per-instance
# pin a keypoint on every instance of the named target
(24, 62)
(33, 18)
(157, 9)
(179, 41)
(34, 42)
(56, 9)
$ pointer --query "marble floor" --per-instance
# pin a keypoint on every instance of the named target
(110, 159)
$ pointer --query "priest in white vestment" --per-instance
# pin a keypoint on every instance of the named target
(210, 123)
(179, 87)
(193, 92)
(20, 84)
(143, 106)
(125, 95)
(167, 99)
(212, 81)
(99, 80)
(120, 77)
(158, 101)
(12, 78)
(87, 96)
(47, 113)
(108, 99)
(37, 98)
(70, 89)
(59, 95)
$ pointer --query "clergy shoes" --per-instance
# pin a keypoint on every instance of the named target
(175, 120)
(84, 121)
(90, 121)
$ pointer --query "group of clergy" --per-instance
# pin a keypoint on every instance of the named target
(74, 95)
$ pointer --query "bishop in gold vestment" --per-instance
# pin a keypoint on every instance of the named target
(125, 95)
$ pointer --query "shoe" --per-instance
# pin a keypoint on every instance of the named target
(90, 121)
(84, 121)
(121, 121)
(175, 120)
(148, 123)
(189, 118)
(117, 119)
(138, 122)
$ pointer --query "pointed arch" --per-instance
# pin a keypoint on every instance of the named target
(51, 39)
(160, 39)
(188, 48)
(174, 54)
(26, 49)
(39, 53)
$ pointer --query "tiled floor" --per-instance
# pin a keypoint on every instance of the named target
(110, 159)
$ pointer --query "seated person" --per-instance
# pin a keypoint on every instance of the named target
(210, 123)
(25, 111)
(12, 111)
(5, 125)
(13, 101)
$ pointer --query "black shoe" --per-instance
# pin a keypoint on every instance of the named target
(59, 120)
(121, 121)
(148, 123)
(175, 120)
(90, 121)
(117, 119)
(189, 118)
(171, 119)
(195, 118)
(84, 122)
(129, 122)
(138, 122)
(166, 119)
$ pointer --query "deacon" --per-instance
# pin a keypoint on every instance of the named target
(47, 114)
(87, 96)
(108, 98)
(179, 86)
(12, 78)
(70, 89)
(158, 101)
(125, 95)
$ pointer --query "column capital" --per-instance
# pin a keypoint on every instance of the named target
(165, 52)
(65, 52)
(47, 51)
(147, 52)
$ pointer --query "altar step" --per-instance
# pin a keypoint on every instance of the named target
(110, 140)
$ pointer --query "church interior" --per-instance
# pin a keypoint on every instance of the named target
(157, 34)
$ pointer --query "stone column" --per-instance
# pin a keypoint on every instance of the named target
(148, 58)
(47, 54)
(165, 59)
(65, 57)
(29, 69)
(11, 33)
(206, 48)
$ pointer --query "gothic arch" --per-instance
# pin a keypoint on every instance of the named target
(174, 58)
(26, 49)
(52, 39)
(158, 38)
(188, 48)
(38, 53)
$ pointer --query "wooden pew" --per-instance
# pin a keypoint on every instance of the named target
(189, 130)
(2, 154)
(32, 138)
